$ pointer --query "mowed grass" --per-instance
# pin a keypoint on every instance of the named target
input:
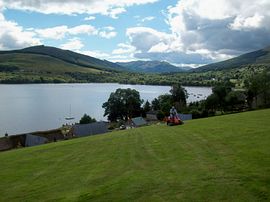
(224, 158)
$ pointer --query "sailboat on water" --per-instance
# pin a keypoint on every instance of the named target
(69, 117)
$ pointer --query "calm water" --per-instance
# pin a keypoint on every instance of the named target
(31, 107)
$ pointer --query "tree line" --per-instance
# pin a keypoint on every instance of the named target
(126, 103)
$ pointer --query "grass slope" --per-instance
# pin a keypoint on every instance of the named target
(224, 158)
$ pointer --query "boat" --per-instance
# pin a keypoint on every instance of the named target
(69, 117)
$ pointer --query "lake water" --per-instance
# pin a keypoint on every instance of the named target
(32, 107)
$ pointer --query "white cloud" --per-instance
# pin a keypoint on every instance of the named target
(105, 7)
(60, 32)
(107, 32)
(72, 44)
(82, 29)
(124, 49)
(94, 53)
(149, 18)
(144, 38)
(89, 18)
(14, 36)
(252, 22)
(204, 31)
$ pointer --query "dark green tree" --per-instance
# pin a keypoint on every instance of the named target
(235, 100)
(155, 104)
(212, 103)
(160, 115)
(221, 91)
(179, 96)
(87, 119)
(166, 103)
(258, 87)
(146, 106)
(122, 104)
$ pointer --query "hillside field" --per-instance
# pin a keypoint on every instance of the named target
(225, 158)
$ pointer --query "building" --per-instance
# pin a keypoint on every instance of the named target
(34, 140)
(138, 121)
(82, 130)
(151, 115)
(51, 135)
(5, 144)
(185, 117)
(30, 139)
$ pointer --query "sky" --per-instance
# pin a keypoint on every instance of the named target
(182, 32)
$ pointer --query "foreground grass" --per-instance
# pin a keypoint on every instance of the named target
(224, 158)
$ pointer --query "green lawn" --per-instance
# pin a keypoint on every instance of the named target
(225, 158)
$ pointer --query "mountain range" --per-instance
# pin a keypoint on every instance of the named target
(50, 59)
(152, 67)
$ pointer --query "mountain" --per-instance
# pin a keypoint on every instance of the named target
(32, 56)
(259, 57)
(152, 67)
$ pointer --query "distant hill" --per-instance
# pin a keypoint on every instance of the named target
(259, 57)
(68, 58)
(152, 67)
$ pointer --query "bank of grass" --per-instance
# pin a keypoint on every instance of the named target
(225, 158)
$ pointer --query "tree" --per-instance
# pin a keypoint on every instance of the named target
(179, 96)
(87, 119)
(220, 91)
(235, 100)
(123, 104)
(146, 106)
(160, 115)
(166, 103)
(212, 102)
(155, 104)
(258, 87)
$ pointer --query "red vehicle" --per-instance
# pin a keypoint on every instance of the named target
(173, 121)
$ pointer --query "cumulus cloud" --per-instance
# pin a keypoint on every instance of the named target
(13, 36)
(107, 32)
(60, 32)
(204, 31)
(94, 53)
(89, 18)
(123, 48)
(72, 44)
(148, 18)
(225, 24)
(105, 7)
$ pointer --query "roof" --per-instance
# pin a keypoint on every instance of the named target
(82, 130)
(33, 140)
(185, 117)
(139, 121)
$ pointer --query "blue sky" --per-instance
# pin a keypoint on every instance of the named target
(182, 32)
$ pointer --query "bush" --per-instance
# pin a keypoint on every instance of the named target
(160, 115)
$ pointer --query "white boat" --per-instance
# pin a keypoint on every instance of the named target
(69, 117)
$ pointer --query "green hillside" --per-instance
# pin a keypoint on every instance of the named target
(44, 64)
(259, 57)
(66, 56)
(40, 63)
(224, 158)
